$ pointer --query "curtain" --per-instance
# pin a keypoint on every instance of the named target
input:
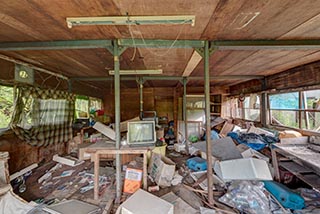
(43, 117)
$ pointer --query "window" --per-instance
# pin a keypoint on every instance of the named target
(251, 108)
(6, 106)
(95, 104)
(195, 108)
(296, 109)
(284, 109)
(85, 106)
(247, 108)
(82, 107)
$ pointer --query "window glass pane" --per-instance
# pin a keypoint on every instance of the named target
(312, 99)
(195, 101)
(284, 101)
(246, 102)
(285, 118)
(6, 105)
(95, 104)
(252, 114)
(53, 112)
(310, 120)
(82, 107)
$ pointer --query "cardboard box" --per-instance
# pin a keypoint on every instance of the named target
(161, 169)
(132, 181)
(143, 202)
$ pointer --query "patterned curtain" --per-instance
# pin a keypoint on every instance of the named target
(43, 117)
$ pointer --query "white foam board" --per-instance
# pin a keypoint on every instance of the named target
(72, 206)
(105, 130)
(143, 202)
(243, 169)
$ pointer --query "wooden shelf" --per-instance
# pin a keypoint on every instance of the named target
(212, 113)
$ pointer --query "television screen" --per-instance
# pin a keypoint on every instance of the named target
(141, 132)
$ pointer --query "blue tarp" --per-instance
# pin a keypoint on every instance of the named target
(254, 141)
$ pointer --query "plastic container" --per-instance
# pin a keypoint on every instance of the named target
(286, 197)
(197, 164)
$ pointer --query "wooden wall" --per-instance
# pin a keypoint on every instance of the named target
(23, 155)
(302, 76)
(154, 99)
(298, 77)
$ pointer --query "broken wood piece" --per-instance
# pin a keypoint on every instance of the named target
(69, 161)
(105, 130)
(23, 171)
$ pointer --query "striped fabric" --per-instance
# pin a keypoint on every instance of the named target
(43, 117)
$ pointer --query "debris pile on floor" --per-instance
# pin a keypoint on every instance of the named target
(242, 179)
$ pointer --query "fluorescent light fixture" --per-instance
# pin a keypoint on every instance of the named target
(136, 72)
(130, 20)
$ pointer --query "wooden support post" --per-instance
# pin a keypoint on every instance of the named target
(275, 164)
(96, 176)
(145, 173)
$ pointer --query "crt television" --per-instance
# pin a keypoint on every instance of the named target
(141, 133)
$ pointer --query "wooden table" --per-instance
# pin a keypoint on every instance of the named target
(298, 159)
(98, 150)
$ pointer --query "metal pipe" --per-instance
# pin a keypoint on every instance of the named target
(141, 96)
(116, 58)
(208, 125)
(171, 78)
(185, 114)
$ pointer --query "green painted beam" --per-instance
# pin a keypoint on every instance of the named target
(170, 78)
(151, 43)
(55, 45)
(265, 44)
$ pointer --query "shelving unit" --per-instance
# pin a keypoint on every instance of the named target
(215, 105)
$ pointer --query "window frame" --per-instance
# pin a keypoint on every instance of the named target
(301, 110)
(4, 129)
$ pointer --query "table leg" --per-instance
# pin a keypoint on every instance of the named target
(145, 173)
(96, 176)
(275, 165)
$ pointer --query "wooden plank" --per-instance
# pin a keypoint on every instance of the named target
(96, 176)
(259, 19)
(202, 9)
(294, 167)
(275, 164)
(192, 64)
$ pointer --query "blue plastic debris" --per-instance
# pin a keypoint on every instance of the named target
(286, 197)
(197, 164)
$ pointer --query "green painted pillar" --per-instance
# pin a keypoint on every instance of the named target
(208, 125)
(116, 58)
(185, 119)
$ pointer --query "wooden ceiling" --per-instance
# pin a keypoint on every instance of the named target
(42, 20)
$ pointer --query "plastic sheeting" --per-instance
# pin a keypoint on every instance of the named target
(10, 204)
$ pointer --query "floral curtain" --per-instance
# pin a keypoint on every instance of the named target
(43, 117)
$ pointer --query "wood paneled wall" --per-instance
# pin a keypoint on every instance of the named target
(298, 77)
(23, 155)
(302, 76)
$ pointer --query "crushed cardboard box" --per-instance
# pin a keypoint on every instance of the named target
(161, 169)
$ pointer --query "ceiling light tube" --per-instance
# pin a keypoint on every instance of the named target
(137, 72)
(130, 20)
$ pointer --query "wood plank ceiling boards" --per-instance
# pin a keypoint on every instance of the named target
(216, 20)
